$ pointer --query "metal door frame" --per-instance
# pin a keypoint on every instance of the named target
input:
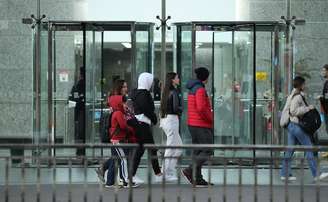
(51, 27)
(275, 27)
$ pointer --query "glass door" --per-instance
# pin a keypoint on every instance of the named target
(233, 76)
(144, 51)
(93, 82)
(184, 69)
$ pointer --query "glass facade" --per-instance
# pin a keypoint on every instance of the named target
(64, 51)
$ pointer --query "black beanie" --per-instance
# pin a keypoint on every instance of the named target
(202, 73)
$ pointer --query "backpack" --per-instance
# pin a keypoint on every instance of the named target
(310, 122)
(104, 125)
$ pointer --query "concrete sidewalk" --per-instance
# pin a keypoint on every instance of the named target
(186, 192)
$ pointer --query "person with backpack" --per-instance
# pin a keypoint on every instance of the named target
(170, 111)
(120, 132)
(120, 88)
(296, 107)
(200, 124)
(144, 110)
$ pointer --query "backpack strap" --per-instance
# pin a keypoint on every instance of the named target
(303, 98)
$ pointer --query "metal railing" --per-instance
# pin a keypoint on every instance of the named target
(239, 173)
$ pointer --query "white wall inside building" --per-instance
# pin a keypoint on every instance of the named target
(147, 10)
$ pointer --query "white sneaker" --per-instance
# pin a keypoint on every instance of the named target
(171, 178)
(137, 180)
(321, 177)
(158, 178)
(290, 178)
(113, 186)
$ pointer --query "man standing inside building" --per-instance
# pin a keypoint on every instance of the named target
(200, 124)
(324, 96)
(78, 95)
(324, 101)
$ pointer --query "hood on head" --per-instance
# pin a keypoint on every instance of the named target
(145, 80)
(116, 102)
(192, 83)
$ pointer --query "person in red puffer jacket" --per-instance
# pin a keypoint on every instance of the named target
(200, 124)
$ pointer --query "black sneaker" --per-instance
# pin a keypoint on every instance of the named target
(101, 174)
(187, 174)
(203, 183)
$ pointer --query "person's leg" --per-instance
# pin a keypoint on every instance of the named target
(149, 139)
(304, 139)
(171, 129)
(110, 172)
(326, 122)
(194, 134)
(123, 164)
(113, 168)
(137, 158)
(139, 151)
(80, 127)
(286, 162)
(205, 137)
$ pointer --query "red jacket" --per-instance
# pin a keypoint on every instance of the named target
(118, 122)
(199, 107)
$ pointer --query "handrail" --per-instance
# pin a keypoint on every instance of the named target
(186, 146)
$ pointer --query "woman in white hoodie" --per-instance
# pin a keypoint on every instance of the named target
(296, 107)
(144, 110)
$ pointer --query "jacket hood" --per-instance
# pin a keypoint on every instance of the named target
(194, 82)
(145, 80)
(116, 102)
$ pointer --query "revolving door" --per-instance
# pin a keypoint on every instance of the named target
(79, 63)
(247, 84)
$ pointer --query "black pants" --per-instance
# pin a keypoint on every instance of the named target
(79, 116)
(200, 136)
(145, 136)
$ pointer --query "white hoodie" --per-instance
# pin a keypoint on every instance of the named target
(145, 81)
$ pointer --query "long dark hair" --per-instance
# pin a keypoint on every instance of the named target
(166, 92)
(117, 88)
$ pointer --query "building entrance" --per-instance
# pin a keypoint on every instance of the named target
(79, 62)
(248, 85)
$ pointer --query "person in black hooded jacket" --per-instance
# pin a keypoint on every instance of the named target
(144, 110)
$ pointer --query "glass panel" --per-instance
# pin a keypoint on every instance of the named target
(43, 135)
(264, 87)
(242, 77)
(223, 85)
(117, 61)
(93, 67)
(68, 89)
(203, 51)
(143, 50)
(281, 84)
(184, 46)
(233, 92)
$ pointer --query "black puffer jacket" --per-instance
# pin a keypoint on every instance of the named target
(324, 98)
(143, 104)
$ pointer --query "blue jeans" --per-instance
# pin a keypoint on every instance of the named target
(109, 165)
(296, 134)
(326, 122)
